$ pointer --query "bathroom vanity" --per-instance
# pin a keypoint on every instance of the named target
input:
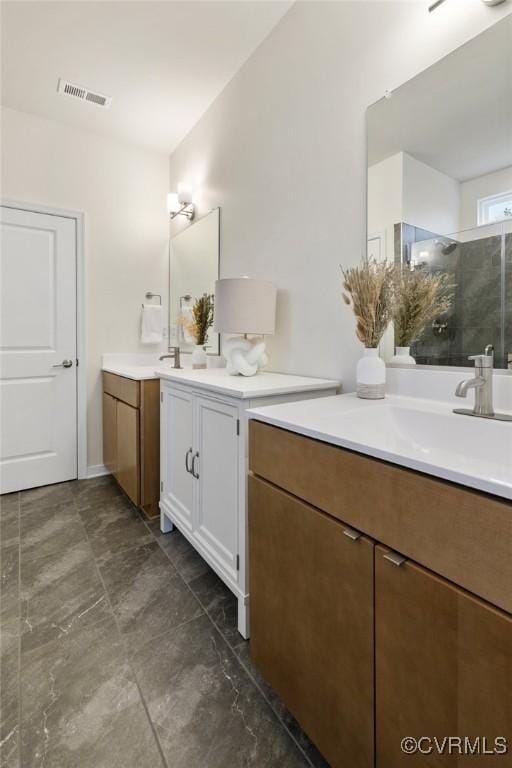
(381, 594)
(203, 453)
(131, 430)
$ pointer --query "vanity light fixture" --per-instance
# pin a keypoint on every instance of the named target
(437, 3)
(180, 203)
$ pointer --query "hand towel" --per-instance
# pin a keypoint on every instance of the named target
(152, 324)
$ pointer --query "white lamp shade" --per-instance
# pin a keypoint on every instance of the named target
(173, 204)
(184, 193)
(244, 305)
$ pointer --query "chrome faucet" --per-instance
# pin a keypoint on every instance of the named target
(174, 355)
(482, 384)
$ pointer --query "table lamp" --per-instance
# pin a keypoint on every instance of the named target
(247, 307)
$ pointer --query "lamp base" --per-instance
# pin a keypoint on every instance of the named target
(244, 357)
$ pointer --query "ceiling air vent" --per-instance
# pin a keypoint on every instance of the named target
(66, 88)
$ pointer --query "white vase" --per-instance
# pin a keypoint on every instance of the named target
(403, 356)
(199, 358)
(371, 376)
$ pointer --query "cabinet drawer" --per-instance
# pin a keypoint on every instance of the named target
(463, 535)
(123, 389)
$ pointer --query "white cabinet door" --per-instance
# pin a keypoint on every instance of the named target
(217, 467)
(37, 349)
(176, 454)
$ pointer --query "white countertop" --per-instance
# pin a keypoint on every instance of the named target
(245, 387)
(136, 372)
(424, 435)
(132, 365)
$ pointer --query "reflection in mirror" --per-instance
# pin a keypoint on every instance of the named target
(440, 194)
(193, 270)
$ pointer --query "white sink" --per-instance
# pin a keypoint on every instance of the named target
(420, 434)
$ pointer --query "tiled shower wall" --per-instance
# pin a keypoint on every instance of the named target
(481, 272)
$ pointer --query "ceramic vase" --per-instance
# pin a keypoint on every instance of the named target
(403, 356)
(371, 376)
(199, 358)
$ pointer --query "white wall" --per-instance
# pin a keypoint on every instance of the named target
(484, 186)
(431, 199)
(282, 151)
(401, 188)
(385, 200)
(122, 190)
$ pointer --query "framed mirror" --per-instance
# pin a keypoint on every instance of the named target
(440, 195)
(193, 269)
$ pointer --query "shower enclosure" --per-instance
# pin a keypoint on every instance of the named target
(479, 265)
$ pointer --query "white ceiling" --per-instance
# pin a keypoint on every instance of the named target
(457, 115)
(163, 63)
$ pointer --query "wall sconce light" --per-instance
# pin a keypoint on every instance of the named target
(180, 203)
(437, 3)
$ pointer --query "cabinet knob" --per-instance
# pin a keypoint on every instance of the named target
(188, 453)
(394, 557)
(194, 473)
(352, 534)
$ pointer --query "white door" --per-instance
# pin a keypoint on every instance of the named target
(217, 467)
(376, 248)
(176, 450)
(38, 396)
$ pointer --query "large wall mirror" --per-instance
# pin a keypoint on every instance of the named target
(193, 270)
(440, 194)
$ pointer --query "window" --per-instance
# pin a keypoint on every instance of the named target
(495, 208)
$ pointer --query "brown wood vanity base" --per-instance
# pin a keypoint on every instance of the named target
(312, 620)
(464, 535)
(443, 667)
(381, 604)
(131, 438)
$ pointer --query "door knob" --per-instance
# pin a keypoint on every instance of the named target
(64, 364)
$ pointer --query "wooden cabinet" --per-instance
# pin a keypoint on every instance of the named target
(131, 437)
(128, 450)
(312, 620)
(443, 667)
(463, 535)
(110, 432)
(441, 616)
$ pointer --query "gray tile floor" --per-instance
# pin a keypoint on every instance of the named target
(119, 646)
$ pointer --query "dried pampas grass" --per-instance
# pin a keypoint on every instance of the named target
(419, 298)
(202, 319)
(369, 291)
